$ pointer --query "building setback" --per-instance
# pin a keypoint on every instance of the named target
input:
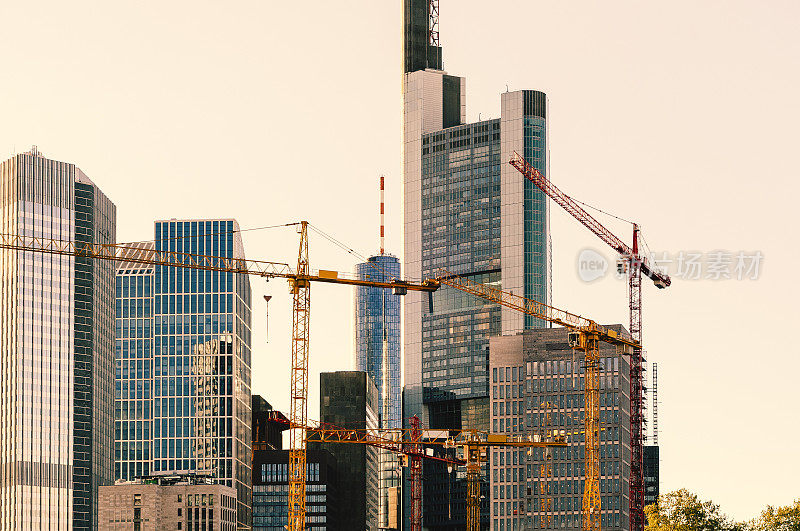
(467, 211)
(183, 362)
(167, 502)
(349, 399)
(377, 352)
(56, 348)
(538, 387)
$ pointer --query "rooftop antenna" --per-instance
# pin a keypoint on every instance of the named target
(433, 22)
(382, 219)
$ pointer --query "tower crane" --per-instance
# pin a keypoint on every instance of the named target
(584, 335)
(636, 265)
(299, 279)
(411, 441)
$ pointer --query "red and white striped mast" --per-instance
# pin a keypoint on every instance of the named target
(382, 219)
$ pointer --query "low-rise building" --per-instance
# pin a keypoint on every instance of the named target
(167, 502)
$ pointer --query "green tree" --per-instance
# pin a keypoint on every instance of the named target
(778, 519)
(682, 510)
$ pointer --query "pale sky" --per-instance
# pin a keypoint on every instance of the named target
(681, 115)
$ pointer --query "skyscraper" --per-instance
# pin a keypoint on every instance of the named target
(537, 387)
(56, 349)
(377, 352)
(183, 362)
(349, 399)
(467, 211)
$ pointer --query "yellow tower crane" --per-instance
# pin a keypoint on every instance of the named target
(300, 281)
(472, 443)
(585, 335)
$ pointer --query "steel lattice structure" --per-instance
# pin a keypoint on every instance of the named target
(636, 265)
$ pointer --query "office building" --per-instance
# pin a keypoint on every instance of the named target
(349, 399)
(651, 474)
(183, 362)
(56, 348)
(377, 352)
(467, 212)
(537, 386)
(167, 502)
(324, 501)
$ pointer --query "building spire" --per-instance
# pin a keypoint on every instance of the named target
(383, 247)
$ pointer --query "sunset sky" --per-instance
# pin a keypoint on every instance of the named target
(682, 116)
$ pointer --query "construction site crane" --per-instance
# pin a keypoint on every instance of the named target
(635, 265)
(411, 441)
(299, 279)
(585, 335)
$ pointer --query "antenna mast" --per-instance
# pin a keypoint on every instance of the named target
(433, 22)
(382, 219)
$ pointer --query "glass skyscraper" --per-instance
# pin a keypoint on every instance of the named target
(467, 212)
(56, 349)
(377, 352)
(183, 362)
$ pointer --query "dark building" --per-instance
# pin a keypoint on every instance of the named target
(418, 54)
(537, 386)
(271, 491)
(267, 425)
(349, 399)
(651, 479)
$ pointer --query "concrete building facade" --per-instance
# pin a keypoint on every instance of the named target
(538, 387)
(167, 502)
(56, 348)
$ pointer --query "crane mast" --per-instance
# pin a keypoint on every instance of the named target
(636, 265)
(585, 336)
(298, 416)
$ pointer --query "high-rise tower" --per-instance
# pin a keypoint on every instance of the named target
(183, 362)
(56, 349)
(467, 211)
(377, 352)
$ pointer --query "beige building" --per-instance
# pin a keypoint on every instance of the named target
(164, 503)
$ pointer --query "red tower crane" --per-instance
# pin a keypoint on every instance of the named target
(636, 265)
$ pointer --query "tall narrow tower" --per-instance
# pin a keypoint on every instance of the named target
(465, 211)
(56, 349)
(377, 352)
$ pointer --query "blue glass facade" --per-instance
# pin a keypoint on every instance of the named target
(183, 362)
(461, 233)
(536, 259)
(134, 366)
(377, 336)
(377, 352)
